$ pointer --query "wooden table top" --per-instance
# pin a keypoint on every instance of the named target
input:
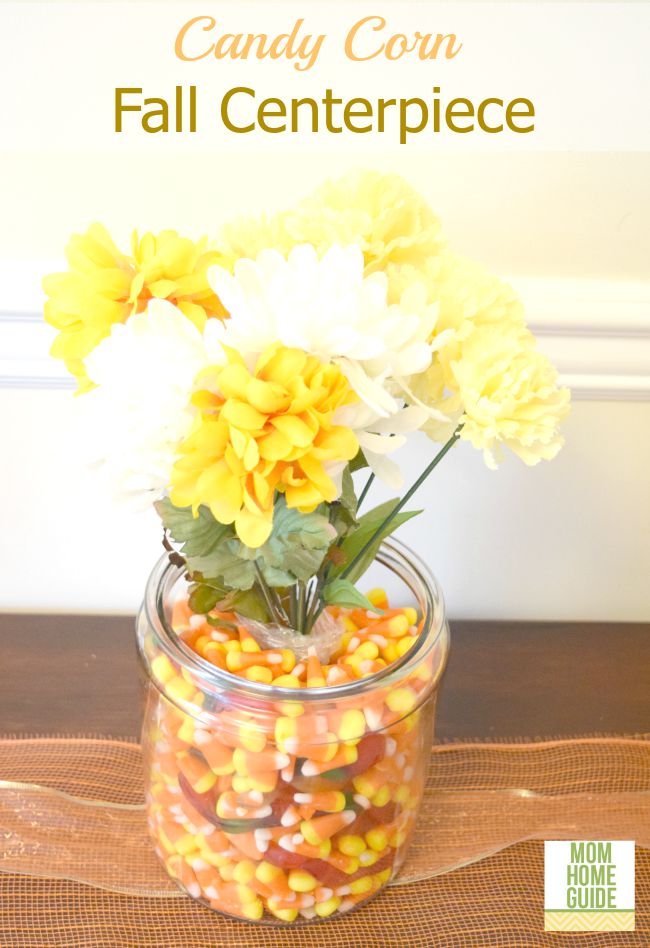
(78, 675)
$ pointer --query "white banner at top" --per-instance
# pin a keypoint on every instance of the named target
(211, 75)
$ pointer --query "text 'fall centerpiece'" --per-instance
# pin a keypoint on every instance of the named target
(238, 385)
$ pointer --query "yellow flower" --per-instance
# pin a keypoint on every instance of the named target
(248, 236)
(509, 395)
(467, 294)
(261, 430)
(469, 298)
(104, 286)
(380, 213)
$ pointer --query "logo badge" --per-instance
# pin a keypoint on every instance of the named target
(589, 886)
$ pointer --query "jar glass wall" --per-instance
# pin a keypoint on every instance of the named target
(279, 804)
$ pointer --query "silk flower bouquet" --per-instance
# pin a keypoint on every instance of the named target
(238, 385)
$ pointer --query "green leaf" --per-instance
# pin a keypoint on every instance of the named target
(208, 594)
(294, 551)
(210, 548)
(247, 603)
(297, 545)
(341, 592)
(367, 527)
(348, 498)
(204, 598)
(228, 562)
(197, 536)
(358, 462)
(219, 623)
(343, 512)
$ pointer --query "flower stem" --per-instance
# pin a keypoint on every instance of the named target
(272, 601)
(317, 605)
(301, 602)
(313, 608)
(364, 492)
(291, 606)
(405, 499)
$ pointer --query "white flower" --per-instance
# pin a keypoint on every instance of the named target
(380, 436)
(326, 307)
(140, 411)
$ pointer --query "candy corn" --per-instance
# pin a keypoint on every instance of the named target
(290, 809)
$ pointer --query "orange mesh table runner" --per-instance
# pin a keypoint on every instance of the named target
(79, 869)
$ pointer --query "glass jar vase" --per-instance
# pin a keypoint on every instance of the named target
(283, 804)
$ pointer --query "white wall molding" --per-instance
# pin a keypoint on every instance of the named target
(586, 307)
(596, 331)
(25, 362)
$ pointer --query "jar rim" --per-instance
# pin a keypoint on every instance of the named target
(393, 554)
